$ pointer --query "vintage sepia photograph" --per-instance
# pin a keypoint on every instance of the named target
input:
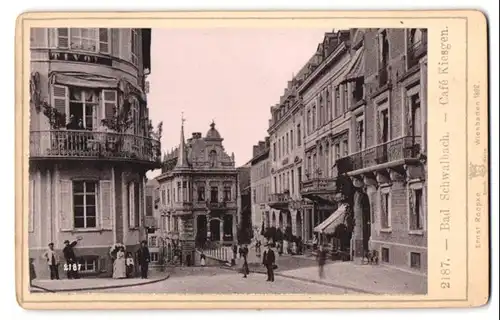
(228, 160)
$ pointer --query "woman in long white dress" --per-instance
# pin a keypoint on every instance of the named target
(119, 267)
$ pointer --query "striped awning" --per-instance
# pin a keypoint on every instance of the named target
(86, 80)
(328, 226)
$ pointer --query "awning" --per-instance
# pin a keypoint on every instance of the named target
(356, 67)
(330, 223)
(86, 80)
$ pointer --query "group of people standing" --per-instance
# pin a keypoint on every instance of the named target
(123, 264)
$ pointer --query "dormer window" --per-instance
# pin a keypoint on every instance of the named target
(213, 158)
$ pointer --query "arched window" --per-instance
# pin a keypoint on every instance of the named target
(213, 158)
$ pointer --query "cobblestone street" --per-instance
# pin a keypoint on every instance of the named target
(211, 280)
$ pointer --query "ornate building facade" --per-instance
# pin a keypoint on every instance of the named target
(90, 142)
(199, 192)
(387, 164)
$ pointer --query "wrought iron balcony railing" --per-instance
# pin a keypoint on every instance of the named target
(318, 185)
(398, 149)
(92, 144)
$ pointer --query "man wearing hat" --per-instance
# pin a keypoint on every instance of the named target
(52, 261)
(268, 261)
(69, 255)
(143, 257)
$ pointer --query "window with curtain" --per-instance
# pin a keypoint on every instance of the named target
(96, 40)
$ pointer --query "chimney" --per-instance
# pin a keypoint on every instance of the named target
(255, 151)
(262, 145)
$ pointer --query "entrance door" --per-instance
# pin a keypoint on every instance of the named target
(215, 230)
(201, 230)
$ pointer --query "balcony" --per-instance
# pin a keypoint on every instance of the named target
(91, 145)
(397, 151)
(216, 205)
(183, 207)
(279, 201)
(319, 189)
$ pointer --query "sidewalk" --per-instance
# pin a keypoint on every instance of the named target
(87, 284)
(351, 275)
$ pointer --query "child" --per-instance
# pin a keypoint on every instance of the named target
(129, 262)
(203, 259)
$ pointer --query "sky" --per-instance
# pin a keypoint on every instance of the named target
(231, 76)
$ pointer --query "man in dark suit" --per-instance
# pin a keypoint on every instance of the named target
(143, 259)
(71, 266)
(269, 260)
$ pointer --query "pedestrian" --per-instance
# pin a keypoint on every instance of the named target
(278, 247)
(52, 261)
(203, 259)
(143, 258)
(120, 265)
(321, 261)
(130, 265)
(71, 267)
(240, 251)
(246, 270)
(235, 250)
(268, 261)
(257, 248)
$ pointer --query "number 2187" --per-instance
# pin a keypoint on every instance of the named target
(72, 267)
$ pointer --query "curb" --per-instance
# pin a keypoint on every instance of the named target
(311, 281)
(107, 287)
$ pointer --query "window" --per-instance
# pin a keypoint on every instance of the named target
(179, 191)
(176, 224)
(291, 139)
(254, 195)
(383, 53)
(88, 264)
(168, 196)
(337, 151)
(383, 130)
(345, 103)
(308, 121)
(321, 110)
(328, 104)
(83, 106)
(201, 193)
(279, 148)
(154, 257)
(274, 151)
(415, 260)
(360, 134)
(136, 118)
(345, 148)
(299, 141)
(214, 194)
(314, 118)
(163, 196)
(84, 204)
(416, 116)
(416, 210)
(153, 241)
(385, 209)
(275, 186)
(185, 194)
(84, 39)
(213, 158)
(286, 144)
(227, 193)
(337, 102)
(133, 204)
(385, 255)
(299, 175)
(135, 45)
(109, 103)
(358, 91)
(292, 185)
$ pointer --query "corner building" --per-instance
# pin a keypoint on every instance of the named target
(89, 182)
(387, 163)
(199, 192)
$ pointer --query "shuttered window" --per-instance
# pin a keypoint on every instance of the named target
(106, 204)
(134, 200)
(60, 99)
(135, 46)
